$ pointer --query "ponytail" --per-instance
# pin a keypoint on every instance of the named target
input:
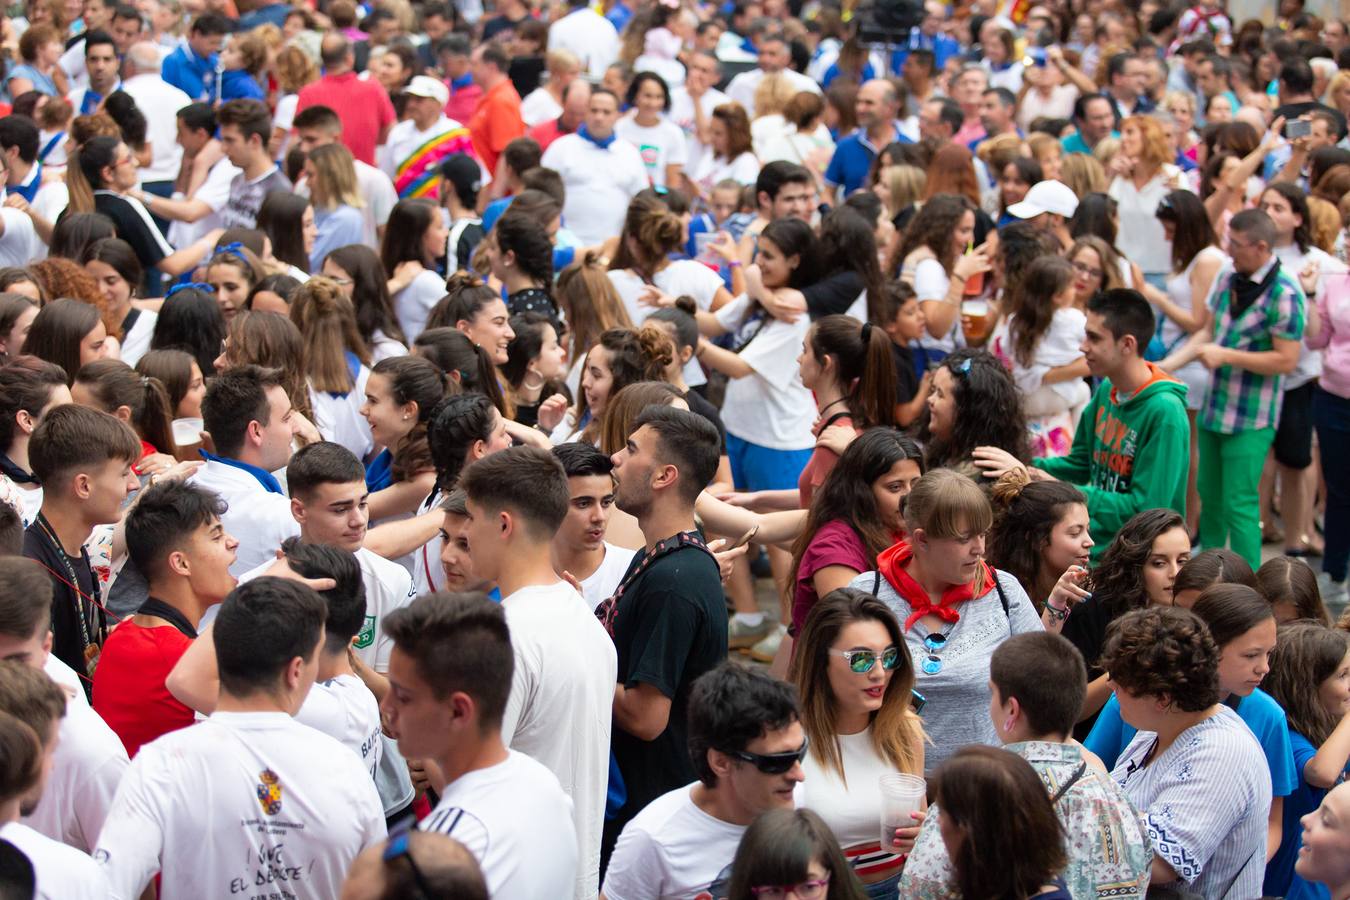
(327, 321)
(114, 384)
(469, 366)
(413, 379)
(864, 366)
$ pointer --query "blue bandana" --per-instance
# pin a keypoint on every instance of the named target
(380, 472)
(602, 143)
(269, 483)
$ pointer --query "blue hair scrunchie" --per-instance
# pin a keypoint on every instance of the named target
(195, 285)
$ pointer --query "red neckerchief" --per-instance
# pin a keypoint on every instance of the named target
(891, 564)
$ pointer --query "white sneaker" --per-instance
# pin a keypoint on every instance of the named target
(1334, 594)
(742, 637)
(767, 649)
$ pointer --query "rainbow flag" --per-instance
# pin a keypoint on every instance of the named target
(417, 176)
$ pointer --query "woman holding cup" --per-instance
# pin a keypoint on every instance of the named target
(856, 681)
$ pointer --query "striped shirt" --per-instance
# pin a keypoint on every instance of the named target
(1240, 400)
(412, 158)
(1206, 800)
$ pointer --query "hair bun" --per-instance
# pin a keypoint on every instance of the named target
(1009, 486)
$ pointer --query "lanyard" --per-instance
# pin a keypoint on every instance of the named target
(74, 584)
(608, 611)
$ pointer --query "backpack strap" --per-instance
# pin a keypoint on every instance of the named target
(876, 583)
(1002, 597)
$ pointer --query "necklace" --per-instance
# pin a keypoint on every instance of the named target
(935, 643)
(831, 403)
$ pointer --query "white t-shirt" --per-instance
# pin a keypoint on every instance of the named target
(682, 114)
(672, 849)
(63, 873)
(660, 145)
(931, 283)
(1058, 346)
(388, 587)
(427, 574)
(160, 102)
(20, 245)
(683, 277)
(562, 704)
(590, 36)
(744, 169)
(413, 304)
(243, 803)
(382, 346)
(599, 182)
(851, 805)
(87, 766)
(604, 581)
(539, 106)
(742, 87)
(259, 519)
(771, 407)
(215, 193)
(136, 340)
(523, 856)
(339, 418)
(344, 709)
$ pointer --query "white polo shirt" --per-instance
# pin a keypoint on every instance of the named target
(600, 182)
(259, 519)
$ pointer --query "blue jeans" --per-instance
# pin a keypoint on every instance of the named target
(884, 890)
(1331, 418)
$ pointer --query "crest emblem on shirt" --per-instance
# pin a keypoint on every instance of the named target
(269, 792)
(366, 636)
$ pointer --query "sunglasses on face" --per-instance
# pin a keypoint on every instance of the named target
(772, 763)
(860, 662)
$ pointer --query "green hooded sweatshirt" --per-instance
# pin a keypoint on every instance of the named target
(1128, 457)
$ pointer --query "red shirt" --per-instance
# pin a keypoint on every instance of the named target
(819, 465)
(129, 691)
(363, 106)
(495, 123)
(546, 133)
(463, 101)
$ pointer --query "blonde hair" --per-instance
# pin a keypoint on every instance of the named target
(1105, 151)
(334, 182)
(590, 302)
(561, 61)
(1185, 98)
(947, 504)
(1325, 223)
(772, 95)
(1041, 144)
(327, 322)
(294, 69)
(998, 151)
(1156, 151)
(1083, 174)
(907, 184)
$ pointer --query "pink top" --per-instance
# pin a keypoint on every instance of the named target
(835, 544)
(363, 106)
(1333, 309)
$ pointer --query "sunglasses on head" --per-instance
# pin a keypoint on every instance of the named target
(396, 848)
(772, 763)
(861, 661)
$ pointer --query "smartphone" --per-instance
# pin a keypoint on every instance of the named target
(917, 701)
(742, 540)
(1298, 128)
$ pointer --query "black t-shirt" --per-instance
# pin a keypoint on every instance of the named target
(833, 294)
(906, 375)
(497, 24)
(670, 628)
(1086, 629)
(700, 404)
(136, 231)
(68, 637)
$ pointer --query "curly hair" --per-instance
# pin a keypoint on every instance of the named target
(1118, 581)
(1306, 654)
(1025, 513)
(988, 411)
(454, 426)
(932, 227)
(60, 277)
(1164, 651)
(1020, 245)
(634, 356)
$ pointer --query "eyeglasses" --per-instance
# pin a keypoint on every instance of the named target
(1085, 269)
(398, 848)
(860, 662)
(773, 763)
(807, 890)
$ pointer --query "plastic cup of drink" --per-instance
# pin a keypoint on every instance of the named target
(901, 795)
(976, 312)
(187, 432)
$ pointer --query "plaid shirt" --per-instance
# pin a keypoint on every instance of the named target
(1240, 400)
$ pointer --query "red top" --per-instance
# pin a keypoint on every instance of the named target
(495, 123)
(834, 544)
(363, 106)
(546, 133)
(129, 691)
(463, 101)
(820, 464)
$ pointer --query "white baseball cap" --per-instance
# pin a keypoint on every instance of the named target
(431, 88)
(1046, 197)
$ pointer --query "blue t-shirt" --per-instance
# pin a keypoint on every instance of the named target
(1112, 734)
(852, 160)
(1281, 880)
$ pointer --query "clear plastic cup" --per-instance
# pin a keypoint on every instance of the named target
(900, 796)
(187, 432)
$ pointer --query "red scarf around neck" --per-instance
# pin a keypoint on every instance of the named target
(891, 564)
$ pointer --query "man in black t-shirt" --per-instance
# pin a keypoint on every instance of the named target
(83, 458)
(669, 618)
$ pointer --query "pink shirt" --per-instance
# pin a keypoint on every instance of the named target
(835, 544)
(363, 106)
(1333, 308)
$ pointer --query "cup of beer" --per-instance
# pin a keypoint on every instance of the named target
(901, 795)
(975, 320)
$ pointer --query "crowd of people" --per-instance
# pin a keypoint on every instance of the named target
(674, 450)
